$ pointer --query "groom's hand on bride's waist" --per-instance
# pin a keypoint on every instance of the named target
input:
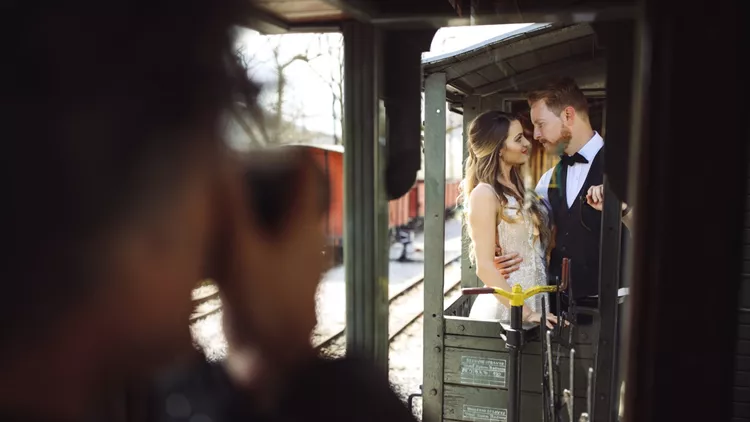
(507, 263)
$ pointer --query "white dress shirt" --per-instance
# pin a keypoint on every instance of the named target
(577, 173)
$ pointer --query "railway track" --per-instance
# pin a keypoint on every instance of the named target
(405, 307)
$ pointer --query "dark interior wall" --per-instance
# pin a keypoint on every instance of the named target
(741, 382)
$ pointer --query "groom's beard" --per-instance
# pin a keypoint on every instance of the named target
(563, 141)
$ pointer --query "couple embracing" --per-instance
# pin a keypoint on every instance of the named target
(535, 229)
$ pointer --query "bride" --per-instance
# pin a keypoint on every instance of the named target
(500, 211)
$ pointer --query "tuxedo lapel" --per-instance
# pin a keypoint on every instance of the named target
(556, 191)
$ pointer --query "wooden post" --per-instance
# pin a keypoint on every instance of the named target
(366, 210)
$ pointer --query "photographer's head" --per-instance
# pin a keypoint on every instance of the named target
(112, 145)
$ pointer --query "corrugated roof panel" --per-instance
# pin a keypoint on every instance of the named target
(554, 53)
(457, 70)
(497, 71)
(524, 62)
(526, 40)
(470, 51)
(474, 80)
(572, 66)
(583, 45)
(462, 85)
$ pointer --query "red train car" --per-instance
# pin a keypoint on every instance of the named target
(416, 210)
(404, 212)
(398, 212)
(331, 160)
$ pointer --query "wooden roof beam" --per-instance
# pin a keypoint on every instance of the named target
(355, 9)
(547, 13)
(434, 14)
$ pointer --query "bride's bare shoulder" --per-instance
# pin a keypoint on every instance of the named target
(482, 194)
(484, 189)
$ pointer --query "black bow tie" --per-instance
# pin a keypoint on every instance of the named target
(569, 160)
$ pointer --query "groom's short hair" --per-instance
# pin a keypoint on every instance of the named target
(558, 94)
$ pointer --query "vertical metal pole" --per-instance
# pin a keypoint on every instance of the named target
(468, 272)
(365, 235)
(514, 344)
(434, 240)
(609, 281)
(638, 108)
(619, 42)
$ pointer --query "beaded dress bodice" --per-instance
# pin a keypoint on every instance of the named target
(516, 234)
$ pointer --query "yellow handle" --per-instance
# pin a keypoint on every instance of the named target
(508, 295)
(518, 295)
(539, 289)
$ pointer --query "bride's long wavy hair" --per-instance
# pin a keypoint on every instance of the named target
(488, 133)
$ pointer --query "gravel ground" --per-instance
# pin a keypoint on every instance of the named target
(331, 298)
(405, 364)
(405, 360)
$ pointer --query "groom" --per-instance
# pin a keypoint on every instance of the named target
(573, 189)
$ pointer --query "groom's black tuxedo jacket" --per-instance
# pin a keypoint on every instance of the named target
(578, 235)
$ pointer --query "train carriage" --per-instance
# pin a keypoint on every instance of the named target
(466, 361)
(406, 212)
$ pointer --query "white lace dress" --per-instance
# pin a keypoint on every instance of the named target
(521, 237)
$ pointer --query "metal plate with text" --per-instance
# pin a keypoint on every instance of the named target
(480, 413)
(489, 372)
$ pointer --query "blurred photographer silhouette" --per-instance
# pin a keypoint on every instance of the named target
(121, 195)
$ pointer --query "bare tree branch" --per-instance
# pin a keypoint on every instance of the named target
(335, 81)
(279, 122)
